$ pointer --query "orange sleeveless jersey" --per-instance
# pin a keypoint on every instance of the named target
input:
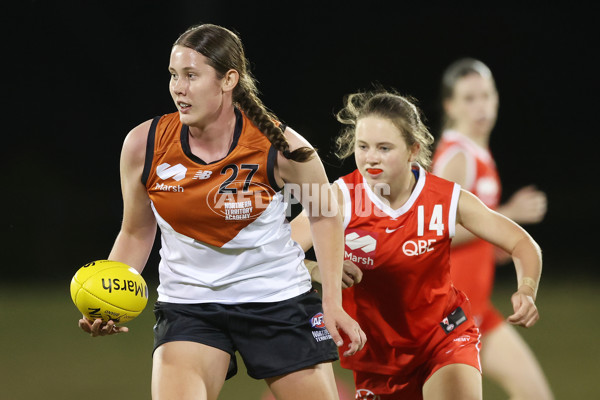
(224, 234)
(473, 264)
(406, 290)
(233, 191)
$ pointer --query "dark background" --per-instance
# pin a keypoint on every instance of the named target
(79, 76)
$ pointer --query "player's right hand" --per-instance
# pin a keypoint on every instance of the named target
(337, 319)
(99, 328)
(525, 311)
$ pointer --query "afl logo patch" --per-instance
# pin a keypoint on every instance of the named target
(317, 321)
(239, 200)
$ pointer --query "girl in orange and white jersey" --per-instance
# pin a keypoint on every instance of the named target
(399, 223)
(231, 279)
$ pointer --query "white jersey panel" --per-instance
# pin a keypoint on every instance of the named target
(260, 264)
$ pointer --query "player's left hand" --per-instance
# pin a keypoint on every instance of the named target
(335, 319)
(351, 274)
(525, 311)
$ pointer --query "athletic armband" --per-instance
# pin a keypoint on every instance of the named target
(529, 283)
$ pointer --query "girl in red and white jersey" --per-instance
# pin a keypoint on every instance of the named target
(462, 155)
(399, 222)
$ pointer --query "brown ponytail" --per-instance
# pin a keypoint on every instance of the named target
(263, 119)
(225, 51)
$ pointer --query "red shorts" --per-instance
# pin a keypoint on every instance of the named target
(461, 349)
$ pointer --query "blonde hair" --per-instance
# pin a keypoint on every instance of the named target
(400, 110)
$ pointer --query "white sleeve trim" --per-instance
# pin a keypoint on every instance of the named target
(453, 210)
(471, 171)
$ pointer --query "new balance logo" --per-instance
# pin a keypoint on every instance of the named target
(366, 243)
(166, 171)
(202, 174)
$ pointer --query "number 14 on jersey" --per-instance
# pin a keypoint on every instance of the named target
(435, 223)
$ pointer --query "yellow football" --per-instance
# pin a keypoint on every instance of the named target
(109, 290)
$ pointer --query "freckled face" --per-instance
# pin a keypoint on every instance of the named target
(381, 153)
(194, 87)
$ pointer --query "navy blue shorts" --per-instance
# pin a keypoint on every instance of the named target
(272, 338)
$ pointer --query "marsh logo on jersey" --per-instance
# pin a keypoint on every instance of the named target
(166, 171)
(360, 247)
(365, 394)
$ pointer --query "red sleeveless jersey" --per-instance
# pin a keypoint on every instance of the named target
(406, 291)
(473, 263)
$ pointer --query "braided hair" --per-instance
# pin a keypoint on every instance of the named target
(224, 51)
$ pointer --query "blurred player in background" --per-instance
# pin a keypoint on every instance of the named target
(470, 106)
(211, 175)
(399, 222)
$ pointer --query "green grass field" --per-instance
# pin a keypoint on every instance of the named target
(44, 355)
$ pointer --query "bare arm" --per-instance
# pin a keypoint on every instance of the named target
(301, 234)
(138, 229)
(506, 234)
(301, 231)
(301, 224)
(326, 229)
(526, 206)
(351, 273)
